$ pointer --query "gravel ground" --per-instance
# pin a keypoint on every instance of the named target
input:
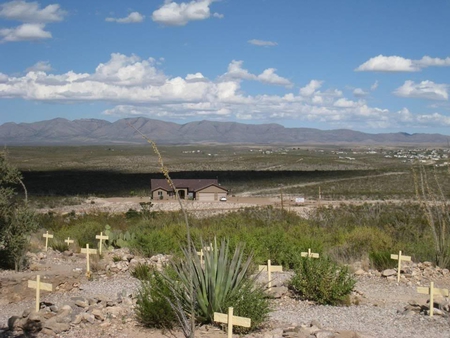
(380, 313)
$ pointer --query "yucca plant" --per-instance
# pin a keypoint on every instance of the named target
(223, 280)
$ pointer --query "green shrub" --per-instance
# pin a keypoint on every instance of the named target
(322, 281)
(142, 272)
(381, 260)
(153, 306)
(59, 245)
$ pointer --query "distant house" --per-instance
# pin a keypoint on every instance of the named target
(203, 190)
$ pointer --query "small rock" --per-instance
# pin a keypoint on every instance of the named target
(388, 272)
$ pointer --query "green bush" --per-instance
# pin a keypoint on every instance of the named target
(153, 306)
(322, 281)
(142, 272)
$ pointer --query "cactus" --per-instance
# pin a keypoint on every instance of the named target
(117, 239)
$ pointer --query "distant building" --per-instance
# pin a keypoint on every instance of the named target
(204, 190)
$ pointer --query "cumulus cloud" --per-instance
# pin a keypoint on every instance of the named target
(218, 15)
(135, 86)
(134, 17)
(424, 90)
(394, 63)
(179, 14)
(31, 12)
(383, 63)
(40, 66)
(262, 43)
(310, 88)
(359, 92)
(34, 19)
(25, 32)
(268, 76)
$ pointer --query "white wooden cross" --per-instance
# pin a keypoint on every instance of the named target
(400, 258)
(432, 291)
(101, 237)
(200, 253)
(47, 236)
(310, 254)
(88, 251)
(270, 268)
(68, 241)
(39, 286)
(231, 320)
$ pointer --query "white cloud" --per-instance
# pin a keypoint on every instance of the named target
(40, 66)
(179, 14)
(218, 15)
(344, 103)
(394, 63)
(31, 12)
(133, 86)
(262, 43)
(134, 17)
(424, 90)
(359, 92)
(310, 88)
(383, 63)
(374, 86)
(25, 32)
(268, 76)
(427, 61)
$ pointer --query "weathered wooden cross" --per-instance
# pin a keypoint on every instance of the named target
(47, 236)
(400, 259)
(270, 268)
(309, 254)
(39, 286)
(201, 254)
(231, 320)
(68, 241)
(432, 291)
(88, 251)
(101, 237)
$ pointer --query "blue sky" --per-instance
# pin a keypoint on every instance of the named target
(374, 66)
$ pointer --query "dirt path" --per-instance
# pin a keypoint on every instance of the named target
(300, 185)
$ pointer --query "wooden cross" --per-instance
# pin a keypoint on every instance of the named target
(432, 291)
(270, 268)
(68, 241)
(310, 254)
(47, 236)
(231, 320)
(88, 251)
(400, 259)
(39, 286)
(101, 238)
(200, 253)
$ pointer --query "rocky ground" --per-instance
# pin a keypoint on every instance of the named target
(104, 305)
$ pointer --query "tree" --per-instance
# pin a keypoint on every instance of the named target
(17, 220)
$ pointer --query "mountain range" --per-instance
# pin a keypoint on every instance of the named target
(61, 131)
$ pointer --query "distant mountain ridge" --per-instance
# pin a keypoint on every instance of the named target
(61, 131)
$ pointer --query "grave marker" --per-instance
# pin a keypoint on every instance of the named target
(39, 286)
(400, 259)
(432, 291)
(270, 268)
(309, 254)
(88, 251)
(201, 254)
(47, 236)
(101, 237)
(231, 320)
(68, 241)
